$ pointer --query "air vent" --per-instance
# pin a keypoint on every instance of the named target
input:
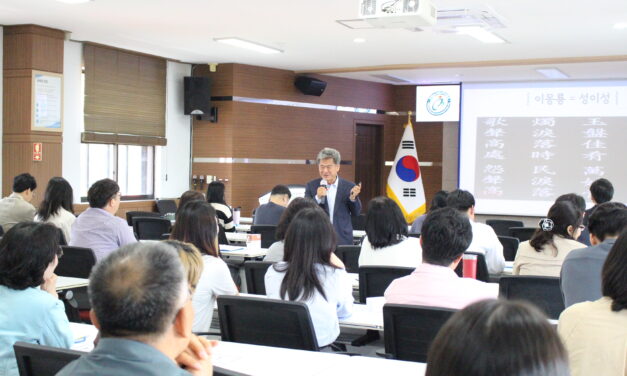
(392, 78)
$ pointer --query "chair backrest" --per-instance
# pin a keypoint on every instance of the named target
(349, 254)
(76, 262)
(414, 235)
(544, 292)
(373, 280)
(38, 360)
(166, 206)
(255, 272)
(132, 214)
(359, 222)
(62, 240)
(150, 228)
(222, 239)
(482, 267)
(501, 226)
(267, 234)
(267, 322)
(410, 329)
(522, 233)
(510, 247)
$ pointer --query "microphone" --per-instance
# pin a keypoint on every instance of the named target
(323, 200)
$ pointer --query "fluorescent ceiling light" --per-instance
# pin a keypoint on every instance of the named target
(620, 25)
(480, 34)
(241, 43)
(553, 73)
(74, 1)
(359, 40)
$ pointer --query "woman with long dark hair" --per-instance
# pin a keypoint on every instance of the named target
(196, 223)
(30, 309)
(275, 252)
(215, 196)
(595, 333)
(57, 206)
(544, 253)
(308, 275)
(386, 241)
(497, 337)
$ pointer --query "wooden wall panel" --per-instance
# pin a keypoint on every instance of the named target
(33, 47)
(17, 102)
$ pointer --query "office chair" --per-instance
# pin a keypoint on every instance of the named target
(38, 360)
(410, 329)
(544, 292)
(255, 272)
(267, 234)
(501, 226)
(132, 214)
(359, 222)
(166, 206)
(522, 233)
(147, 228)
(76, 262)
(349, 255)
(266, 322)
(510, 247)
(482, 267)
(373, 280)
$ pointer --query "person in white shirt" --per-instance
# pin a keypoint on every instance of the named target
(484, 239)
(307, 274)
(197, 223)
(57, 207)
(386, 241)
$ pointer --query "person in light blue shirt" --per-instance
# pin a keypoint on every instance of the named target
(308, 274)
(30, 310)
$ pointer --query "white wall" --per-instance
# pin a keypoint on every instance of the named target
(72, 115)
(173, 161)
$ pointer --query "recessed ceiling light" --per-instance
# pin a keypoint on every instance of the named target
(553, 73)
(75, 1)
(359, 40)
(480, 34)
(620, 25)
(238, 42)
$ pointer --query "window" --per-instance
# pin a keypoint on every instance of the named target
(132, 166)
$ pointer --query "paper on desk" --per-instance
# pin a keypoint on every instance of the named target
(84, 336)
(230, 248)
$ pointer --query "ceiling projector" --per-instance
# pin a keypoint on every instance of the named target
(398, 14)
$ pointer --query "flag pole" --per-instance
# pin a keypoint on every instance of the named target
(408, 119)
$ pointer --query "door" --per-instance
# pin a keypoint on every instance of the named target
(369, 161)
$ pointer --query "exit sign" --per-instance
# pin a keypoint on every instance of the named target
(38, 152)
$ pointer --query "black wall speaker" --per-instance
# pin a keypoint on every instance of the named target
(197, 95)
(310, 86)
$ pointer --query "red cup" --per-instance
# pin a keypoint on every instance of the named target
(470, 266)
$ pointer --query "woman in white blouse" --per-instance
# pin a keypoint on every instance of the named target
(307, 274)
(197, 223)
(57, 207)
(386, 241)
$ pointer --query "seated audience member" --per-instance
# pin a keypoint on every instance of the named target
(197, 224)
(446, 234)
(544, 253)
(270, 213)
(215, 196)
(97, 227)
(16, 207)
(386, 241)
(275, 252)
(581, 271)
(307, 274)
(191, 260)
(141, 305)
(601, 190)
(57, 207)
(595, 333)
(30, 310)
(580, 203)
(484, 239)
(189, 196)
(438, 201)
(497, 337)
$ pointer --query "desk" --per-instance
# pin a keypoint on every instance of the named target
(236, 237)
(242, 228)
(84, 336)
(358, 234)
(246, 220)
(66, 283)
(274, 361)
(233, 251)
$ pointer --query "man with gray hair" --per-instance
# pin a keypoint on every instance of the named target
(141, 304)
(338, 197)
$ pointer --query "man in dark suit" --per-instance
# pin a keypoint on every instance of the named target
(581, 271)
(338, 197)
